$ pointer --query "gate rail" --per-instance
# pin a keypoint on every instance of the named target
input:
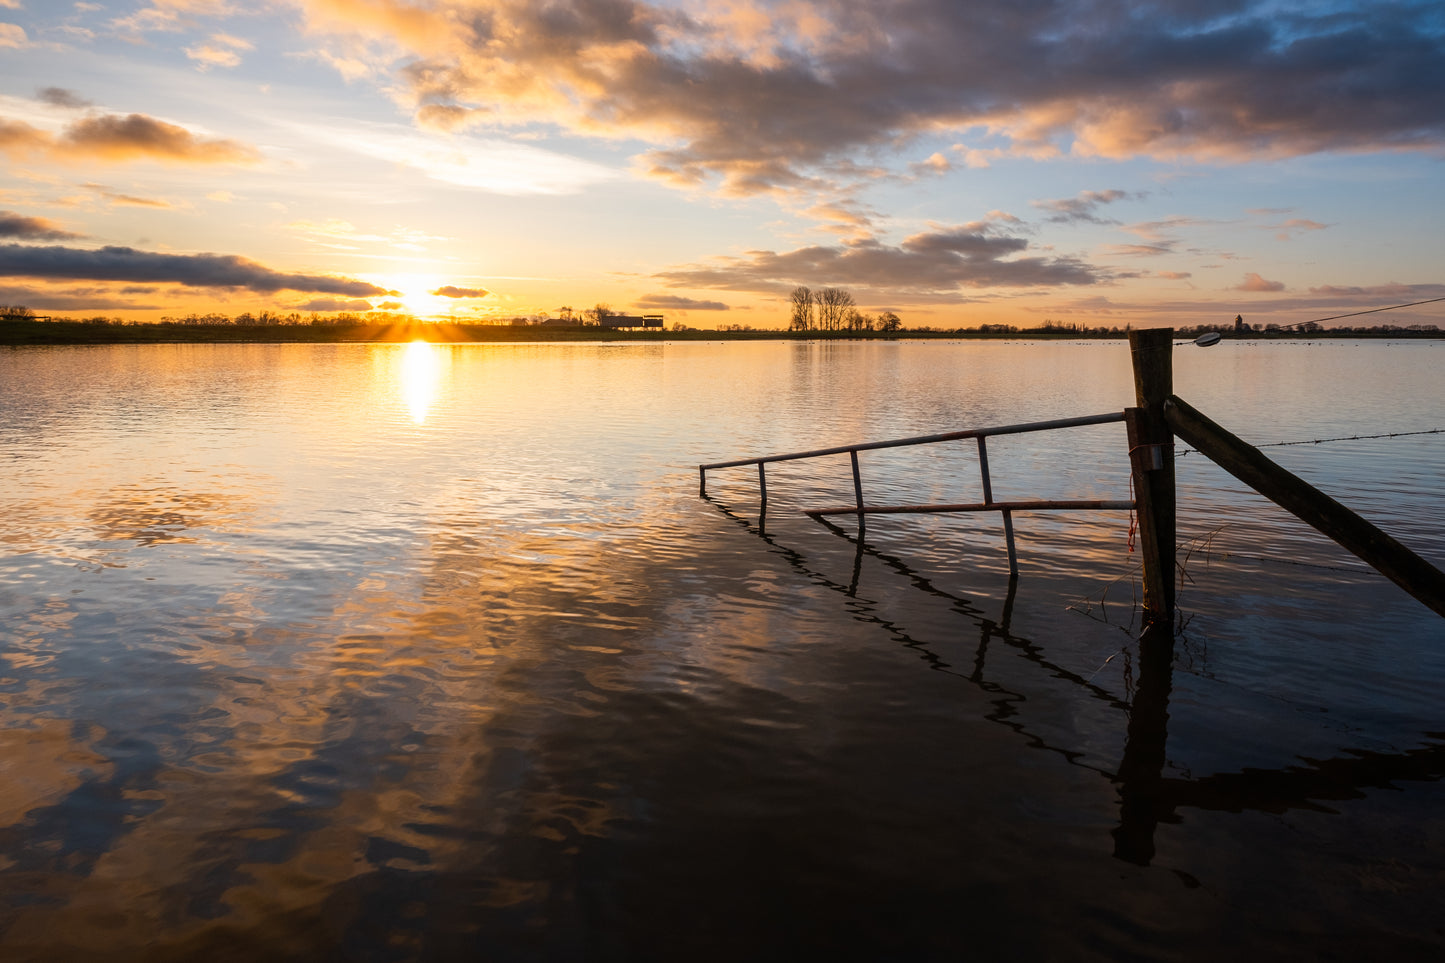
(988, 504)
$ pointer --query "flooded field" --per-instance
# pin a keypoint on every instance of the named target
(434, 652)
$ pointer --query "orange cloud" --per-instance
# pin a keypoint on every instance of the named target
(112, 138)
(1258, 285)
(220, 52)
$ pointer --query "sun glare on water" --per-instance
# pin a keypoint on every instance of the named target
(420, 370)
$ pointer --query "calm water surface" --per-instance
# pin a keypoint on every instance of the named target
(387, 652)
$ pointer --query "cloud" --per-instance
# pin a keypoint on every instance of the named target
(451, 291)
(752, 109)
(60, 97)
(1084, 206)
(934, 264)
(1258, 285)
(190, 270)
(1295, 226)
(935, 163)
(127, 200)
(13, 36)
(1140, 250)
(489, 164)
(674, 302)
(31, 228)
(113, 138)
(170, 15)
(1175, 275)
(69, 299)
(220, 52)
(333, 230)
(1393, 291)
(333, 304)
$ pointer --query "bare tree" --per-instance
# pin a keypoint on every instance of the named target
(802, 302)
(598, 313)
(833, 307)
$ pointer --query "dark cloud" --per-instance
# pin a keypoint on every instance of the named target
(31, 228)
(60, 97)
(1084, 207)
(927, 265)
(769, 96)
(190, 270)
(675, 302)
(70, 299)
(452, 291)
(333, 304)
(1393, 291)
(113, 138)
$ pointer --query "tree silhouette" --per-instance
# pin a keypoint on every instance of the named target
(802, 302)
(833, 307)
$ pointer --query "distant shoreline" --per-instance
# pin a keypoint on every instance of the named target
(20, 332)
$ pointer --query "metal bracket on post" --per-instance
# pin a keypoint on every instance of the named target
(1149, 457)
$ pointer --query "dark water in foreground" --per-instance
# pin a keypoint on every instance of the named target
(382, 653)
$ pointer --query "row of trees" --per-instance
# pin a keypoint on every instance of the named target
(596, 314)
(833, 309)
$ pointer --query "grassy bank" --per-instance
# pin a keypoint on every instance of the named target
(16, 332)
(30, 332)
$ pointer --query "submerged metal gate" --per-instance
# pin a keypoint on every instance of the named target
(1006, 508)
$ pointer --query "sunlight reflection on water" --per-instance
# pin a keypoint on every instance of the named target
(433, 652)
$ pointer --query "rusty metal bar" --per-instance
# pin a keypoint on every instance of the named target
(1008, 515)
(857, 488)
(1021, 506)
(1103, 419)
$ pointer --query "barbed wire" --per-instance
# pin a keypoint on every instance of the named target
(1320, 441)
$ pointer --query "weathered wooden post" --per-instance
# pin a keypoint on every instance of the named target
(1151, 459)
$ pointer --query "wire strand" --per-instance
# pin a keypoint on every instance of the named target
(1321, 441)
(1355, 314)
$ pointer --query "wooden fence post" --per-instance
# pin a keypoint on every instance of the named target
(1151, 459)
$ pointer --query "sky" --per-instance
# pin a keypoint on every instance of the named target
(957, 162)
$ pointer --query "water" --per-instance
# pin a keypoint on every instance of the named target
(378, 652)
